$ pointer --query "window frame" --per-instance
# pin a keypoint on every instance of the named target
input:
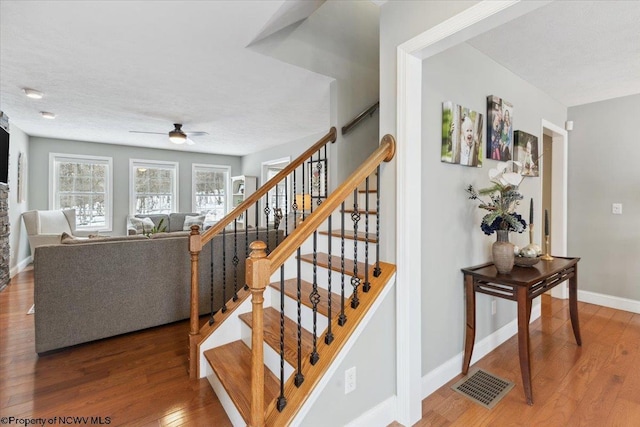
(216, 168)
(54, 161)
(153, 164)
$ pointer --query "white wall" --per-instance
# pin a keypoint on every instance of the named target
(340, 40)
(451, 235)
(38, 193)
(18, 143)
(603, 169)
(252, 163)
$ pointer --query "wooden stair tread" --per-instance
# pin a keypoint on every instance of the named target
(323, 261)
(362, 211)
(232, 364)
(349, 234)
(291, 290)
(272, 335)
(370, 191)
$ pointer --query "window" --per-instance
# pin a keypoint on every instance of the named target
(153, 187)
(210, 185)
(82, 183)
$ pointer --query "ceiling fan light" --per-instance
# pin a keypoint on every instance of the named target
(32, 93)
(177, 137)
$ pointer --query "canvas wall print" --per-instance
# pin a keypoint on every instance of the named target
(525, 152)
(499, 129)
(461, 135)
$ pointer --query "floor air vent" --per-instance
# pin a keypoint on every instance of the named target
(483, 388)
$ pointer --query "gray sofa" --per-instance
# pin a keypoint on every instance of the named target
(173, 221)
(93, 289)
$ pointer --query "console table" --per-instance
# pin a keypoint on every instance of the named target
(522, 285)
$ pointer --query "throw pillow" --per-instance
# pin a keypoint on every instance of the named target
(67, 238)
(142, 225)
(192, 220)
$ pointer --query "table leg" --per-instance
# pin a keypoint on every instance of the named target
(573, 305)
(524, 314)
(470, 337)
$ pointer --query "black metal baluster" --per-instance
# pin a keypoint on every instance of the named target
(328, 338)
(342, 318)
(294, 206)
(311, 183)
(286, 204)
(366, 286)
(282, 401)
(246, 244)
(355, 280)
(326, 173)
(299, 378)
(267, 211)
(315, 299)
(211, 320)
(235, 259)
(376, 271)
(276, 219)
(224, 270)
(303, 193)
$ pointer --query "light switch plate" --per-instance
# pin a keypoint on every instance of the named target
(616, 208)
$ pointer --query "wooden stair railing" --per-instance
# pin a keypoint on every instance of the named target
(197, 241)
(260, 267)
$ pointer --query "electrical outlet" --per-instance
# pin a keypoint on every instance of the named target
(494, 307)
(616, 208)
(349, 380)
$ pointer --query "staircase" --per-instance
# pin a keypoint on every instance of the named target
(264, 355)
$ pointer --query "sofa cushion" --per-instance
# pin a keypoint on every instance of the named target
(142, 225)
(176, 220)
(192, 220)
(68, 239)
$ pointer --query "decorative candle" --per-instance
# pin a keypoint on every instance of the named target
(531, 212)
(546, 222)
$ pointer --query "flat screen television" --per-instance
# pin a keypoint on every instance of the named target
(4, 155)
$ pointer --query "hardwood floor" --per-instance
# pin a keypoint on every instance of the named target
(597, 384)
(138, 379)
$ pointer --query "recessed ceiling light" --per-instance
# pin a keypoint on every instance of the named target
(48, 115)
(32, 93)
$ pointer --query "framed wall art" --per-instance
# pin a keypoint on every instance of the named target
(461, 135)
(499, 129)
(525, 152)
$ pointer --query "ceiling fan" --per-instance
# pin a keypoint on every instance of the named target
(177, 135)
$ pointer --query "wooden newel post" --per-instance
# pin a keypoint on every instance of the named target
(257, 279)
(195, 246)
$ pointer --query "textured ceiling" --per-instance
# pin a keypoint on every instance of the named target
(576, 51)
(107, 67)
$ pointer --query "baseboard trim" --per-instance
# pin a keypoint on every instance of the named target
(382, 414)
(609, 301)
(20, 266)
(451, 368)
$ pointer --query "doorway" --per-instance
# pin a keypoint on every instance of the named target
(277, 198)
(554, 193)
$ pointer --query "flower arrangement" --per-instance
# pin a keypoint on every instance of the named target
(503, 200)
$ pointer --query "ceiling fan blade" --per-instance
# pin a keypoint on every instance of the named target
(190, 142)
(140, 131)
(197, 133)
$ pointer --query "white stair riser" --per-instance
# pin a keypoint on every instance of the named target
(228, 405)
(322, 245)
(306, 273)
(306, 313)
(271, 357)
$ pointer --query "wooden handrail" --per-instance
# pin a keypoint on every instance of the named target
(197, 241)
(384, 153)
(353, 123)
(261, 267)
(268, 186)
